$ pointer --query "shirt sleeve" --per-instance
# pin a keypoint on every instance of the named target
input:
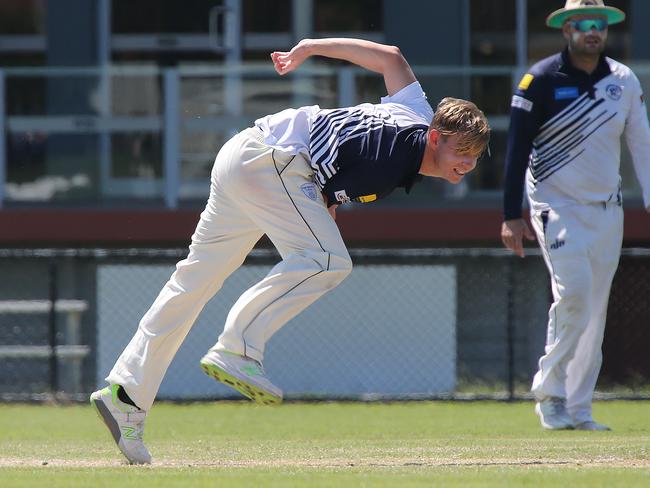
(348, 186)
(637, 137)
(413, 97)
(525, 120)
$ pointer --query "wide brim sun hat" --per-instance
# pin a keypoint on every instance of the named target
(574, 7)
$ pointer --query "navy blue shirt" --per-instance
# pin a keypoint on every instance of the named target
(363, 153)
(554, 111)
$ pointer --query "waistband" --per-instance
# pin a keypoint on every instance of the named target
(614, 199)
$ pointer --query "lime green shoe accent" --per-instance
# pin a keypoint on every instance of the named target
(114, 398)
(129, 433)
(251, 370)
(249, 390)
(93, 401)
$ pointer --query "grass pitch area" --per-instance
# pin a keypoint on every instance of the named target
(327, 444)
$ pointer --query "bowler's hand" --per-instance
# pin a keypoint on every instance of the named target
(285, 62)
(512, 234)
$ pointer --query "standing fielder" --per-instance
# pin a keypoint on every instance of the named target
(567, 117)
(284, 178)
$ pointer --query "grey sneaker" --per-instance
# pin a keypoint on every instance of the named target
(243, 374)
(591, 425)
(124, 421)
(553, 414)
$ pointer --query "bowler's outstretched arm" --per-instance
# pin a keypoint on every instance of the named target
(380, 58)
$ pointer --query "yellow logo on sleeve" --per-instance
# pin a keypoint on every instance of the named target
(367, 198)
(525, 81)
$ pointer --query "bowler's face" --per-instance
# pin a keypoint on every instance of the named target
(451, 165)
(586, 43)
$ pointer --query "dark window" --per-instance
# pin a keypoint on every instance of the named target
(23, 17)
(154, 16)
(265, 16)
(344, 15)
(492, 32)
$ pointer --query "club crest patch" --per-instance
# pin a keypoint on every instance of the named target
(309, 189)
(614, 92)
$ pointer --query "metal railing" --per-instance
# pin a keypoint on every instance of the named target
(176, 116)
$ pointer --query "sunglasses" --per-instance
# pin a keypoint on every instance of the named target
(586, 25)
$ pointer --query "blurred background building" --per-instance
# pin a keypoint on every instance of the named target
(119, 104)
(111, 114)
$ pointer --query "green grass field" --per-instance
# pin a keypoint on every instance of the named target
(327, 444)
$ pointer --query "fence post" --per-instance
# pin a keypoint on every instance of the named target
(3, 136)
(510, 329)
(171, 143)
(52, 328)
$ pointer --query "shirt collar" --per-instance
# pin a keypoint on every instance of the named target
(602, 69)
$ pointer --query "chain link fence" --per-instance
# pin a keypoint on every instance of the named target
(406, 324)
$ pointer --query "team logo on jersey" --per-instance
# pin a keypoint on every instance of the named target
(614, 92)
(557, 244)
(341, 196)
(309, 189)
(566, 93)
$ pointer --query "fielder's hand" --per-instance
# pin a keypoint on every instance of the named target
(512, 234)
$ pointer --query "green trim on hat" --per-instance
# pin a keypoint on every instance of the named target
(557, 18)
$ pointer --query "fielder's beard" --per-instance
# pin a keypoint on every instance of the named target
(585, 48)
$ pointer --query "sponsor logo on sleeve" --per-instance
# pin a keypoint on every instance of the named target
(566, 93)
(342, 196)
(366, 198)
(614, 92)
(525, 81)
(642, 99)
(309, 189)
(522, 103)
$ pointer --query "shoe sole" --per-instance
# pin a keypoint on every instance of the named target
(105, 416)
(249, 390)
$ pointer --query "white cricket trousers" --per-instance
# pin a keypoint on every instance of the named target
(581, 246)
(255, 190)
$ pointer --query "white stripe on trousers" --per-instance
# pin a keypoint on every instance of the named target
(255, 190)
(586, 242)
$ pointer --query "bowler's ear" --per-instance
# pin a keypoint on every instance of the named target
(433, 136)
(566, 31)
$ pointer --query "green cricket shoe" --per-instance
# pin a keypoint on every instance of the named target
(125, 423)
(243, 374)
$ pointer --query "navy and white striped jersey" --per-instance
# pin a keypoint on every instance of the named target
(565, 130)
(359, 153)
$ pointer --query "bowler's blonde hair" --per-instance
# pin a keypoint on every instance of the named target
(458, 116)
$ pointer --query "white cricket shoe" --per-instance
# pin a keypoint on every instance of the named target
(591, 425)
(553, 414)
(243, 374)
(124, 421)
